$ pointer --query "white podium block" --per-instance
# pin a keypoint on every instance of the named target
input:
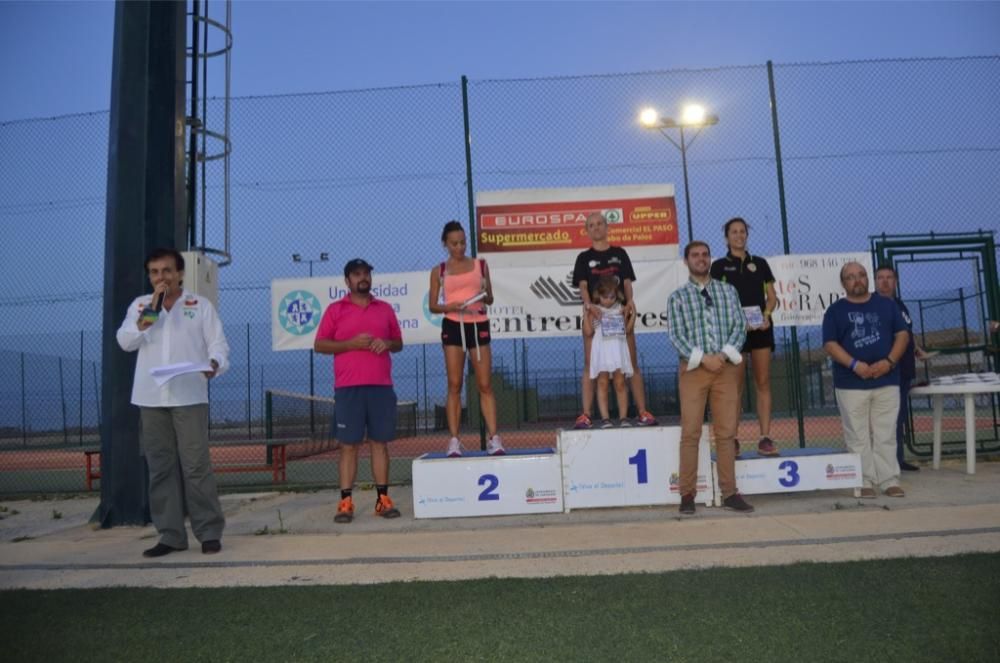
(627, 467)
(797, 470)
(523, 481)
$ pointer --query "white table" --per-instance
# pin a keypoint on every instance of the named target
(938, 391)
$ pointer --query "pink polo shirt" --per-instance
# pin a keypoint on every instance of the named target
(342, 321)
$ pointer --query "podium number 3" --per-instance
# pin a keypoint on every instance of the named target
(639, 460)
(489, 493)
(792, 477)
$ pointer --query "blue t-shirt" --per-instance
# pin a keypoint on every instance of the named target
(866, 331)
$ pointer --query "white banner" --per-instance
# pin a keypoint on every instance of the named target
(541, 302)
(807, 284)
(297, 306)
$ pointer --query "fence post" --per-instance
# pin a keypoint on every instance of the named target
(24, 407)
(794, 356)
(249, 409)
(62, 400)
(427, 405)
(81, 388)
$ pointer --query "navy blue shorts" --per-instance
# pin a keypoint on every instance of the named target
(364, 412)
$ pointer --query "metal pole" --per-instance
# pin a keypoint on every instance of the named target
(687, 192)
(249, 408)
(794, 359)
(427, 405)
(62, 399)
(312, 379)
(81, 388)
(192, 177)
(24, 407)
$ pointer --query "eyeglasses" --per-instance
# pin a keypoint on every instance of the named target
(708, 298)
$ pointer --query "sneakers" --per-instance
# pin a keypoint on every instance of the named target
(211, 547)
(161, 549)
(894, 491)
(908, 467)
(868, 493)
(385, 508)
(646, 419)
(687, 504)
(454, 448)
(735, 502)
(494, 446)
(583, 422)
(625, 423)
(766, 447)
(345, 511)
(607, 423)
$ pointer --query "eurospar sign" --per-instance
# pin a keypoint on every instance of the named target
(549, 226)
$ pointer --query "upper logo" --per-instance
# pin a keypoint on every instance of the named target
(545, 287)
(299, 312)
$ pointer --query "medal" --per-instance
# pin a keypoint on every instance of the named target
(751, 267)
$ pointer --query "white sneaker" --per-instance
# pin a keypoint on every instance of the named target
(454, 448)
(494, 446)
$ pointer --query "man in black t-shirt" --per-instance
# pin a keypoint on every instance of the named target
(599, 260)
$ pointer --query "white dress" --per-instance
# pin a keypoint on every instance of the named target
(609, 351)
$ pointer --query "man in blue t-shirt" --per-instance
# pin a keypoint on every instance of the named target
(866, 336)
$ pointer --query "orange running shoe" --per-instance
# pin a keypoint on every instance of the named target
(385, 508)
(345, 511)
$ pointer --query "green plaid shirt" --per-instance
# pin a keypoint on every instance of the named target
(697, 328)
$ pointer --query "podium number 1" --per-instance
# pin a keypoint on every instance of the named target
(491, 482)
(639, 460)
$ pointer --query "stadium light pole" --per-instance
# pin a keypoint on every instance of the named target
(693, 116)
(297, 258)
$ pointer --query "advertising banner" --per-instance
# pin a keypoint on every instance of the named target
(807, 284)
(513, 226)
(540, 301)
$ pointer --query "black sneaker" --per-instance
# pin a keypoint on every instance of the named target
(211, 547)
(735, 502)
(161, 549)
(687, 505)
(908, 467)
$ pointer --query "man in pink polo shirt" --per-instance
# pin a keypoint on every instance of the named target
(360, 332)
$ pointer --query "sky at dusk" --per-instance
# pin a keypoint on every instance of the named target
(56, 56)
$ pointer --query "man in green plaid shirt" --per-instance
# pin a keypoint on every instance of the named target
(708, 328)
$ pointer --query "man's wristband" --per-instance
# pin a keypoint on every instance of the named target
(854, 362)
(892, 362)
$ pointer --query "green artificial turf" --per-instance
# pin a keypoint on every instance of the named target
(928, 609)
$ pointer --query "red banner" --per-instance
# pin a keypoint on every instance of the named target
(546, 226)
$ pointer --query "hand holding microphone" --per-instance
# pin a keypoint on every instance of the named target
(151, 313)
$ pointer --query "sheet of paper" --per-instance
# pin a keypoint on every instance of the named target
(613, 324)
(472, 300)
(163, 374)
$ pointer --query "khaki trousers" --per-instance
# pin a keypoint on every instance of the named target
(721, 391)
(175, 443)
(869, 420)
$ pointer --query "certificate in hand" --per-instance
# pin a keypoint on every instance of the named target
(755, 317)
(612, 324)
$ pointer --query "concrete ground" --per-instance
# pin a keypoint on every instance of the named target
(291, 539)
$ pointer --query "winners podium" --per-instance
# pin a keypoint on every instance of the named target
(796, 470)
(627, 467)
(612, 467)
(521, 482)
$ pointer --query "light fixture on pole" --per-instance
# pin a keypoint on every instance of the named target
(297, 258)
(693, 116)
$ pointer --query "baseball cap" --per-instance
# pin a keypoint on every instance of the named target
(356, 263)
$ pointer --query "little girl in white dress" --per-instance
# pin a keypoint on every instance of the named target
(609, 357)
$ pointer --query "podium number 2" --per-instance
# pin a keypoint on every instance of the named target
(792, 477)
(639, 460)
(491, 482)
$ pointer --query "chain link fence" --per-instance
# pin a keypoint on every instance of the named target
(900, 146)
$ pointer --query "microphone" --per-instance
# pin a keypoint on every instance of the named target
(158, 302)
